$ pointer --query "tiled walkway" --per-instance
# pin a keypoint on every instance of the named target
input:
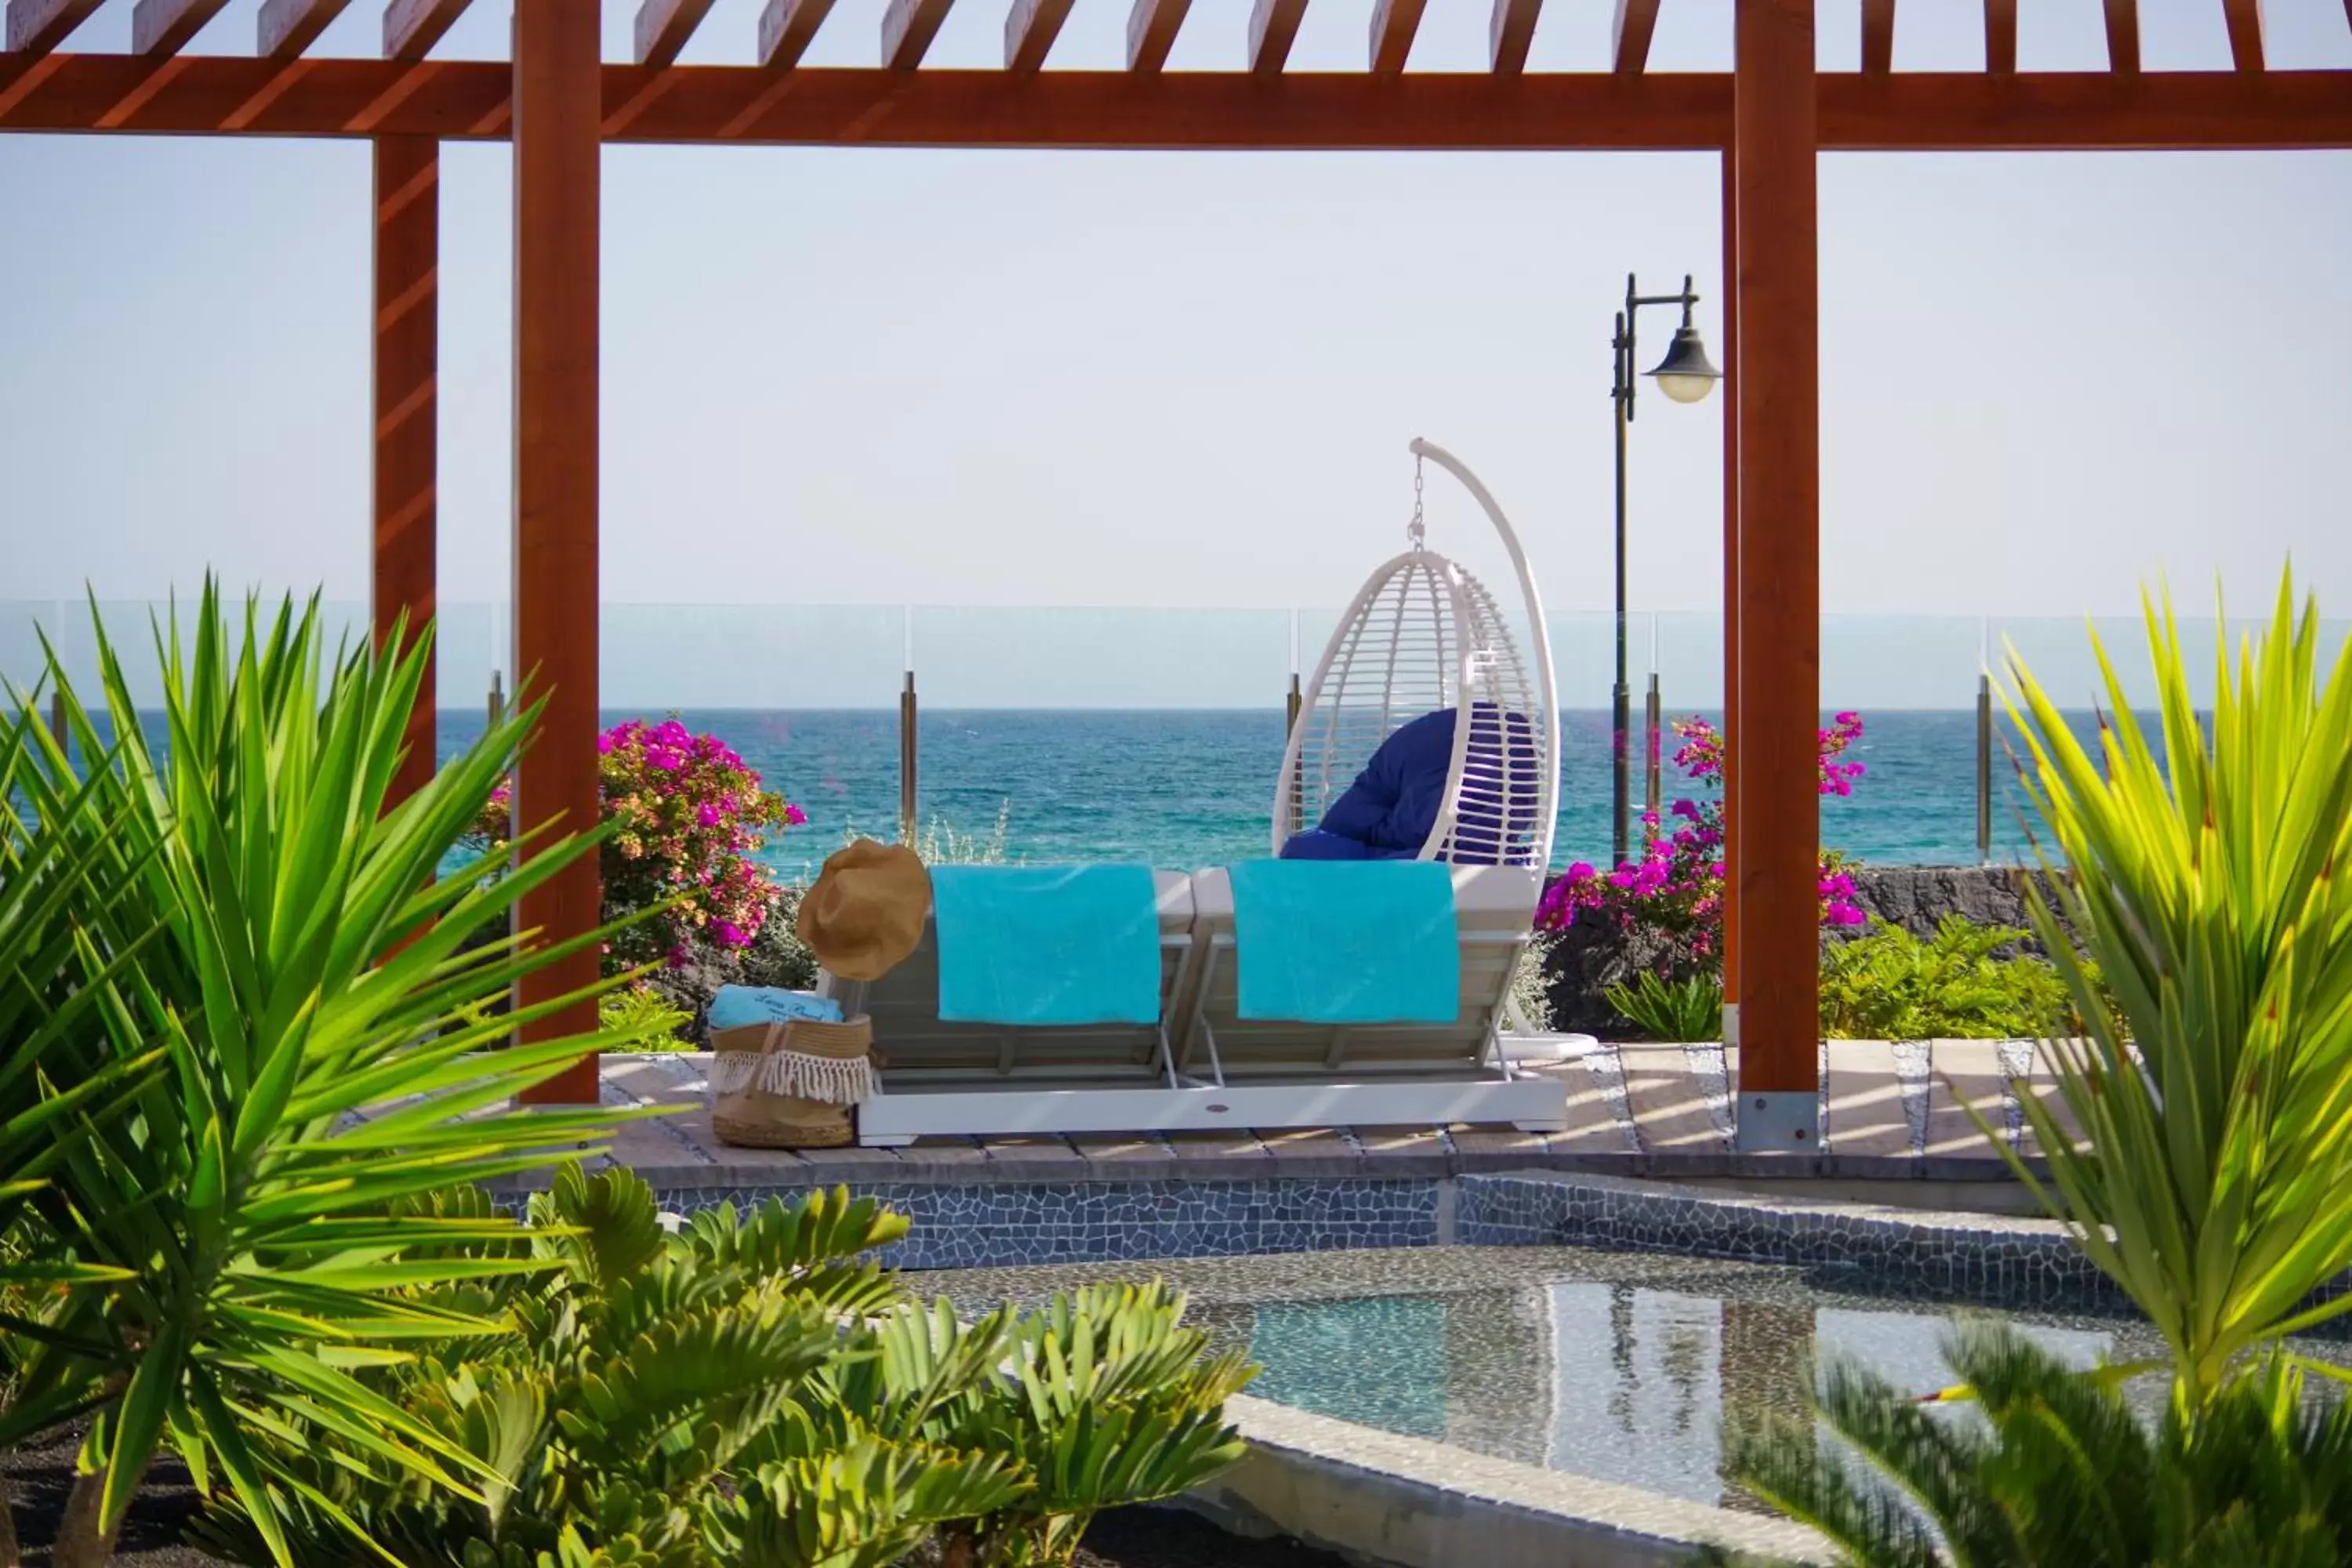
(1891, 1110)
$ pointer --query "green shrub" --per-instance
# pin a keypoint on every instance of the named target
(2060, 1472)
(1893, 986)
(644, 1020)
(1687, 1009)
(753, 1388)
(1530, 992)
(939, 843)
(778, 956)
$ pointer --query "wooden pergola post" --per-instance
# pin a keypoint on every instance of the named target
(558, 134)
(1730, 846)
(406, 338)
(1775, 145)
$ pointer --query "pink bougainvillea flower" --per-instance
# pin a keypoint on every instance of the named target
(1674, 888)
(692, 817)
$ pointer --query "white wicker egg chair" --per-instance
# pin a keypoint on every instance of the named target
(1423, 634)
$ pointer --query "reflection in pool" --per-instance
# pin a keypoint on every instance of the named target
(1619, 1366)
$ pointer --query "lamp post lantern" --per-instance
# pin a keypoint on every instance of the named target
(1685, 375)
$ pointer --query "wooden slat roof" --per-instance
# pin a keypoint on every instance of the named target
(1258, 101)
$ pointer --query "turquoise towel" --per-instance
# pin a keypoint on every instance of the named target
(1347, 941)
(1045, 944)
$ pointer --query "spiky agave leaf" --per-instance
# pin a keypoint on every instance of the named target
(282, 939)
(2210, 895)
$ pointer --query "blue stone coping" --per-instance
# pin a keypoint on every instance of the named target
(997, 1224)
(1995, 1259)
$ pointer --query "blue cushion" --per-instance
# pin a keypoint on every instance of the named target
(1388, 812)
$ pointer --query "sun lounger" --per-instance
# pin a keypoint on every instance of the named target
(938, 1078)
(1386, 1074)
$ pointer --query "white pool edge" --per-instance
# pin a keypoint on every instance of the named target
(1381, 1497)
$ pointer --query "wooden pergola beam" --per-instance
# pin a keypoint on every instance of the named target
(1877, 36)
(663, 27)
(1629, 36)
(2000, 36)
(411, 28)
(1908, 111)
(1151, 28)
(286, 28)
(2245, 21)
(2123, 36)
(1030, 28)
(1509, 33)
(160, 27)
(1273, 28)
(1394, 23)
(558, 120)
(786, 30)
(907, 28)
(38, 26)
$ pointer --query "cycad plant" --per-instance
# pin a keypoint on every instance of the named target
(1107, 1399)
(2049, 1468)
(654, 1407)
(753, 1388)
(2211, 892)
(236, 930)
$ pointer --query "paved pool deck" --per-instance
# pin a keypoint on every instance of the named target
(1891, 1111)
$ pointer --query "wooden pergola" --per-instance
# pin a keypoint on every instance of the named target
(557, 102)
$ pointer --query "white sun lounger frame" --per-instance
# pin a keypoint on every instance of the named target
(1179, 1094)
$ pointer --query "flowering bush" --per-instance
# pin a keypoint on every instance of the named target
(1675, 887)
(692, 813)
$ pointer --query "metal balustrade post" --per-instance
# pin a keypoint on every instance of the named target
(1292, 706)
(1984, 768)
(908, 756)
(1656, 737)
(1653, 726)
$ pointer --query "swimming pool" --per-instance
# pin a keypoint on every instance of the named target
(1620, 1367)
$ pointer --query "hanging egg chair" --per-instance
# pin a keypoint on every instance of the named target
(1425, 637)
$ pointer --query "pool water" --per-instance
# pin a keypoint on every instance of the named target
(1618, 1366)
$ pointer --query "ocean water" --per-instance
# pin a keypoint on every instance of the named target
(1185, 789)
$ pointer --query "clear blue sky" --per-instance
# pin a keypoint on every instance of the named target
(846, 377)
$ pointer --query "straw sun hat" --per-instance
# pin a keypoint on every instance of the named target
(866, 911)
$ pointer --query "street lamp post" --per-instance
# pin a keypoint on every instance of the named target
(1684, 375)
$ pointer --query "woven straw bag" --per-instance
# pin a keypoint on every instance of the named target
(790, 1086)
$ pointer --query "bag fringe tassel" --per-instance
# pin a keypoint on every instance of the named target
(832, 1081)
